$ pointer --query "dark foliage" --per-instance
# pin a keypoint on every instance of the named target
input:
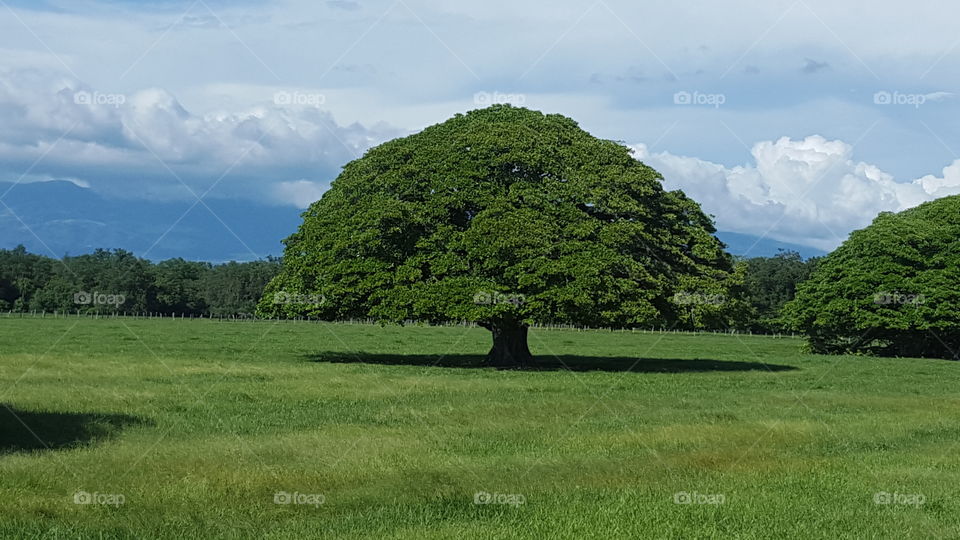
(108, 281)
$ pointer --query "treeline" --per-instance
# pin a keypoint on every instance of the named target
(770, 283)
(117, 281)
(108, 281)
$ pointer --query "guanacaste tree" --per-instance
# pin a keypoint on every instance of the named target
(505, 217)
(892, 288)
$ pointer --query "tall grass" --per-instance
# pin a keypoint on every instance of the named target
(180, 428)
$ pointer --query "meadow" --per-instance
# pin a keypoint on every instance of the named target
(123, 428)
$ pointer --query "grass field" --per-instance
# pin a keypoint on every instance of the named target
(192, 428)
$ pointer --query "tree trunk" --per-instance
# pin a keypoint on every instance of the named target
(510, 348)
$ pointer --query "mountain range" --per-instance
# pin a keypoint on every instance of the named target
(61, 218)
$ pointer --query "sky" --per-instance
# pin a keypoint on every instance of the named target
(795, 120)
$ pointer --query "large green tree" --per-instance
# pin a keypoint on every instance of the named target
(892, 288)
(506, 217)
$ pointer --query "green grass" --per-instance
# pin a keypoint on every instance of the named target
(197, 424)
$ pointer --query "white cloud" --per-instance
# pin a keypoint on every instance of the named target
(809, 191)
(147, 143)
(299, 193)
(938, 96)
(143, 144)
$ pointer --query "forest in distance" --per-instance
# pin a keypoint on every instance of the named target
(117, 281)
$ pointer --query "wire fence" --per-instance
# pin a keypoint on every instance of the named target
(241, 318)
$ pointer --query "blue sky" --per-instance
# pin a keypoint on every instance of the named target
(799, 120)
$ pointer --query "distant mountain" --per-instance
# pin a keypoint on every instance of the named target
(63, 218)
(745, 245)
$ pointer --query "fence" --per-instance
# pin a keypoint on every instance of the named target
(250, 318)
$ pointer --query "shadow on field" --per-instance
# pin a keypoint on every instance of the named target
(27, 431)
(550, 363)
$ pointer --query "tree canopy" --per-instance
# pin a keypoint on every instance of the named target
(892, 288)
(506, 217)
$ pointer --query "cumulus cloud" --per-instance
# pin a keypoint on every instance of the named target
(299, 193)
(809, 191)
(147, 142)
(286, 151)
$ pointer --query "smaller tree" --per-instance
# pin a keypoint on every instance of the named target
(713, 301)
(235, 288)
(118, 274)
(22, 274)
(178, 285)
(771, 282)
(892, 288)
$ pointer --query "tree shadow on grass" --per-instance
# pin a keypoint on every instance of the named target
(551, 363)
(28, 431)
